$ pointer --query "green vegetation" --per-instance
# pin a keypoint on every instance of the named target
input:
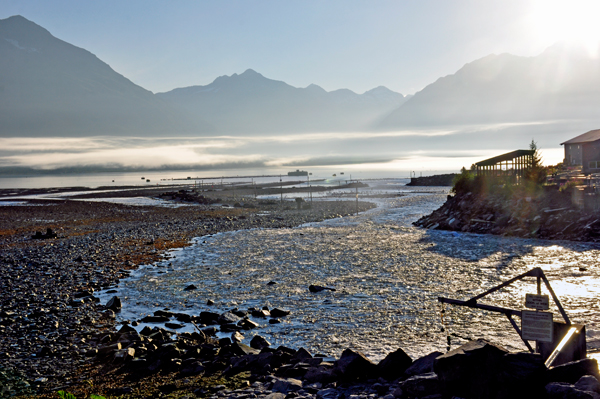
(530, 185)
(67, 395)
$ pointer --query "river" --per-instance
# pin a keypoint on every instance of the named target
(386, 273)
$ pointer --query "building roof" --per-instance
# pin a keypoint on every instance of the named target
(592, 135)
(505, 157)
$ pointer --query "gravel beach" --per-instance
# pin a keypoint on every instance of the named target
(47, 317)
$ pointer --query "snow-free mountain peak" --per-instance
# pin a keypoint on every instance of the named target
(49, 87)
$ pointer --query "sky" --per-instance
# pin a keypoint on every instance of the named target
(358, 45)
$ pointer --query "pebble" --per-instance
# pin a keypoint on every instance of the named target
(97, 244)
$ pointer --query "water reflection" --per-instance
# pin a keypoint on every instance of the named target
(387, 276)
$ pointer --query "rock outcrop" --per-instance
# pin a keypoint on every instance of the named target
(550, 216)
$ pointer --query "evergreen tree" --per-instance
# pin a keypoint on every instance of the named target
(536, 173)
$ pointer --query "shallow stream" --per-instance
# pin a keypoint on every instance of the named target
(387, 275)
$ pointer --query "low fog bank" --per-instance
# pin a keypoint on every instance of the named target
(425, 150)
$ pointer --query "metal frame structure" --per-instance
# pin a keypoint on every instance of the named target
(510, 164)
(535, 272)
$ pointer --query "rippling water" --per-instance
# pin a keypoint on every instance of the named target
(387, 275)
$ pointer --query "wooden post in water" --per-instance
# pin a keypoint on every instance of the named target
(357, 200)
(281, 188)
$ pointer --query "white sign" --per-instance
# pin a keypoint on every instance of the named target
(537, 326)
(539, 302)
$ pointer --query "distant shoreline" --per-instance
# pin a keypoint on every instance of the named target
(435, 180)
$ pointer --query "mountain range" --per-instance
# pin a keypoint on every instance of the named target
(251, 103)
(51, 88)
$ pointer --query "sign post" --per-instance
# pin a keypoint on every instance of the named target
(537, 326)
(536, 301)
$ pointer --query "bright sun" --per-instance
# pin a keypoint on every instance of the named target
(572, 21)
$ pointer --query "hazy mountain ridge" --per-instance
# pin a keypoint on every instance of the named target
(50, 87)
(560, 83)
(249, 103)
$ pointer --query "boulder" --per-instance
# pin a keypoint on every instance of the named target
(319, 288)
(237, 337)
(521, 376)
(240, 349)
(563, 390)
(259, 342)
(422, 365)
(227, 318)
(470, 371)
(287, 385)
(114, 304)
(174, 326)
(328, 393)
(588, 383)
(420, 386)
(208, 318)
(126, 329)
(301, 355)
(155, 319)
(190, 287)
(571, 372)
(183, 317)
(163, 313)
(192, 367)
(321, 374)
(354, 366)
(247, 324)
(394, 364)
(262, 313)
(276, 312)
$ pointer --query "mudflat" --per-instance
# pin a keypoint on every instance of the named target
(47, 315)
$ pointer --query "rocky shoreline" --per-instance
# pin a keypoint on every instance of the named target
(48, 317)
(551, 216)
(445, 180)
(57, 335)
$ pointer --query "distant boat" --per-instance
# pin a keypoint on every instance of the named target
(341, 173)
(147, 180)
(334, 175)
(298, 172)
(143, 177)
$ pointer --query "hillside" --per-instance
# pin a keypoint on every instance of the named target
(560, 83)
(49, 87)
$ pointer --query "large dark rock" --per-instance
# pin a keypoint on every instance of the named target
(301, 355)
(257, 364)
(322, 374)
(114, 304)
(521, 375)
(240, 349)
(573, 371)
(422, 365)
(227, 318)
(471, 370)
(279, 312)
(588, 383)
(259, 342)
(155, 319)
(563, 390)
(319, 288)
(394, 364)
(354, 366)
(208, 318)
(420, 386)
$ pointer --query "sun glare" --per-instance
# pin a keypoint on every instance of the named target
(574, 22)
